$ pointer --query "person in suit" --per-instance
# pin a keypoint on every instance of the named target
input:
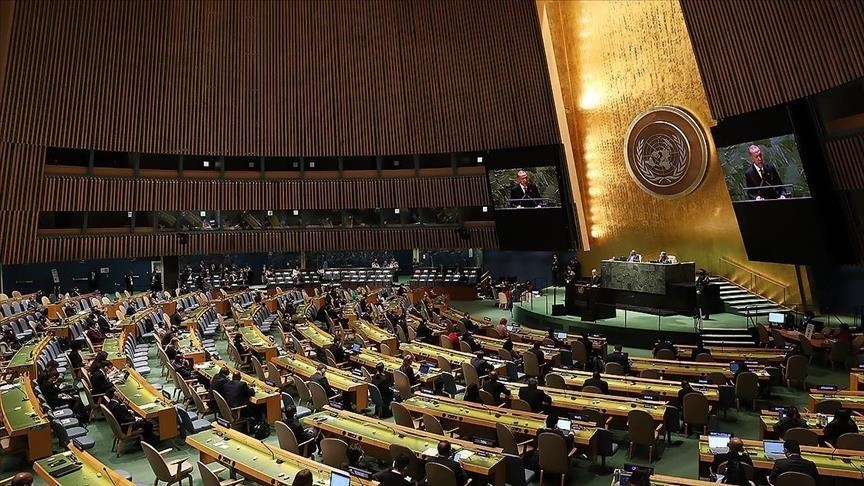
(407, 367)
(524, 193)
(129, 282)
(759, 175)
(552, 426)
(842, 423)
(445, 458)
(301, 433)
(320, 377)
(536, 398)
(354, 455)
(337, 350)
(496, 388)
(790, 420)
(218, 382)
(736, 453)
(468, 338)
(125, 416)
(793, 462)
(480, 364)
(397, 475)
(685, 390)
(468, 323)
(618, 356)
(634, 257)
(238, 393)
(99, 378)
(664, 343)
(536, 351)
(596, 280)
(424, 333)
(664, 258)
(384, 382)
(550, 335)
(597, 381)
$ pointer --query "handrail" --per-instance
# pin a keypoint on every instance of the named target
(753, 278)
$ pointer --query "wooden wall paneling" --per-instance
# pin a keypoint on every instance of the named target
(845, 160)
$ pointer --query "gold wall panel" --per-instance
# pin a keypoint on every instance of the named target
(615, 59)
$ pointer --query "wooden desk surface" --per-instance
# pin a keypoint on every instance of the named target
(608, 404)
(829, 462)
(316, 336)
(370, 359)
(632, 385)
(850, 399)
(430, 352)
(23, 416)
(495, 344)
(148, 402)
(338, 379)
(769, 419)
(728, 354)
(267, 464)
(92, 472)
(689, 368)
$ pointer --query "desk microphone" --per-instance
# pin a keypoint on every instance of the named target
(272, 453)
(105, 470)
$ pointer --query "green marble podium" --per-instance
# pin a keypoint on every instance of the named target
(650, 278)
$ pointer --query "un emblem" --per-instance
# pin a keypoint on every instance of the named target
(666, 152)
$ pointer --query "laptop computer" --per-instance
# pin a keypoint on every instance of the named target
(360, 473)
(355, 348)
(339, 479)
(734, 366)
(563, 424)
(424, 368)
(773, 449)
(625, 472)
(561, 335)
(718, 442)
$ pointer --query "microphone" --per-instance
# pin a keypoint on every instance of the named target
(105, 470)
(272, 453)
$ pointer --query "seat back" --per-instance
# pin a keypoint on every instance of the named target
(302, 391)
(334, 452)
(208, 477)
(401, 415)
(287, 439)
(552, 449)
(402, 383)
(592, 389)
(797, 367)
(806, 347)
(157, 462)
(555, 380)
(445, 342)
(580, 354)
(487, 398)
(793, 478)
(839, 352)
(851, 441)
(827, 406)
(530, 364)
(259, 370)
(640, 426)
(415, 467)
(440, 475)
(223, 408)
(385, 349)
(444, 365)
(116, 429)
(432, 424)
(695, 409)
(666, 354)
(519, 404)
(652, 374)
(319, 396)
(469, 373)
(779, 340)
(746, 469)
(506, 440)
(804, 436)
(465, 347)
(764, 336)
(614, 369)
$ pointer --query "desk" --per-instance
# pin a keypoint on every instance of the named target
(632, 385)
(192, 349)
(853, 400)
(663, 480)
(316, 336)
(24, 360)
(260, 343)
(376, 436)
(338, 379)
(251, 458)
(481, 419)
(729, 354)
(829, 462)
(689, 368)
(264, 393)
(495, 345)
(370, 359)
(114, 347)
(608, 404)
(528, 334)
(651, 278)
(92, 471)
(769, 419)
(818, 339)
(430, 352)
(24, 418)
(374, 333)
(856, 379)
(149, 403)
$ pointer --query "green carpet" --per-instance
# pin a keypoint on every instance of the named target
(678, 460)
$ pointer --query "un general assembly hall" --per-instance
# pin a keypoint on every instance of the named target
(432, 242)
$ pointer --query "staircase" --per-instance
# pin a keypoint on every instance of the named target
(722, 336)
(743, 302)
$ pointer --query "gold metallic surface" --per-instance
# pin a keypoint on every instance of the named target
(616, 59)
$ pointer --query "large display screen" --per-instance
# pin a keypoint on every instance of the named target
(525, 187)
(531, 210)
(769, 168)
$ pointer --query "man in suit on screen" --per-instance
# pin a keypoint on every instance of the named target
(759, 175)
(524, 193)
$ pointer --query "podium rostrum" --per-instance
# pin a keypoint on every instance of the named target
(645, 277)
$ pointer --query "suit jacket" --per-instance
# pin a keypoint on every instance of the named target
(620, 359)
(384, 382)
(322, 380)
(497, 389)
(769, 177)
(793, 463)
(596, 280)
(120, 411)
(481, 365)
(390, 478)
(461, 475)
(536, 398)
(217, 384)
(100, 382)
(730, 456)
(530, 192)
(599, 383)
(237, 393)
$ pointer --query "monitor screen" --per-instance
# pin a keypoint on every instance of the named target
(718, 440)
(734, 366)
(828, 387)
(776, 318)
(525, 187)
(561, 335)
(773, 447)
(360, 473)
(355, 347)
(765, 169)
(563, 424)
(630, 468)
(424, 368)
(339, 479)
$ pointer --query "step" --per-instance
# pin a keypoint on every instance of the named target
(737, 344)
(755, 306)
